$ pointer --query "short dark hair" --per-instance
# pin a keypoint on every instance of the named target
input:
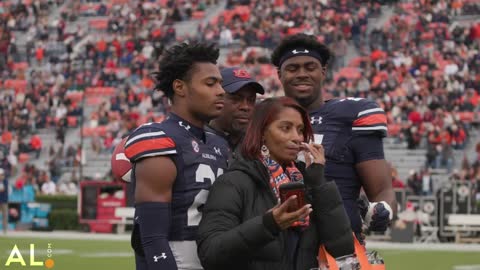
(263, 115)
(303, 41)
(177, 62)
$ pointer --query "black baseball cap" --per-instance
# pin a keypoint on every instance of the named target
(235, 78)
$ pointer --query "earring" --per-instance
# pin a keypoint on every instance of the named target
(264, 150)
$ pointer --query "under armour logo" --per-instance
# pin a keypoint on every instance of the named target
(163, 256)
(217, 151)
(187, 127)
(316, 120)
(296, 52)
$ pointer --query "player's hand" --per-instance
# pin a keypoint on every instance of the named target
(314, 153)
(378, 216)
(285, 219)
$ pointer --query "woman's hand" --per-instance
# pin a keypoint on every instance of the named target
(285, 219)
(314, 153)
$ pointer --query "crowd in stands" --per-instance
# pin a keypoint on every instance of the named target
(425, 73)
(421, 66)
(32, 99)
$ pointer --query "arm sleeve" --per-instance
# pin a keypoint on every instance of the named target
(367, 148)
(154, 220)
(223, 237)
(148, 141)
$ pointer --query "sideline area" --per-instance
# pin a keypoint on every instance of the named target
(72, 235)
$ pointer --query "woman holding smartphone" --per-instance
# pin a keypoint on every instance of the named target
(245, 223)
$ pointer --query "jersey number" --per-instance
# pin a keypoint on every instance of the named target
(203, 172)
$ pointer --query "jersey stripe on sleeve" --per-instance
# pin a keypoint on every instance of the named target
(148, 144)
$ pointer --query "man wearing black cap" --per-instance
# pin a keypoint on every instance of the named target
(350, 130)
(240, 90)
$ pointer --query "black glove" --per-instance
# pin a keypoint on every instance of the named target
(314, 176)
(363, 204)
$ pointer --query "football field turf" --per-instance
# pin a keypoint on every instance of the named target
(93, 254)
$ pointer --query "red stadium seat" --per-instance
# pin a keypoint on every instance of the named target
(93, 101)
(75, 96)
(118, 2)
(293, 31)
(98, 24)
(100, 91)
(17, 85)
(466, 116)
(20, 65)
(90, 6)
(100, 131)
(427, 35)
(198, 15)
(243, 12)
(23, 158)
(72, 121)
(162, 3)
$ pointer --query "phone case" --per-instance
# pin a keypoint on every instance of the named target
(290, 189)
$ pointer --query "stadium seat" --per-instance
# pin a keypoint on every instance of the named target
(100, 131)
(427, 35)
(466, 116)
(118, 2)
(20, 65)
(94, 101)
(74, 96)
(17, 85)
(101, 91)
(293, 31)
(98, 24)
(198, 15)
(72, 121)
(23, 158)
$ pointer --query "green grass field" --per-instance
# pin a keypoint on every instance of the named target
(91, 254)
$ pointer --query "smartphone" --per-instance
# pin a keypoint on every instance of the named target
(290, 189)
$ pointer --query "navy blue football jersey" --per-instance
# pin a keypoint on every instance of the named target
(199, 158)
(339, 125)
